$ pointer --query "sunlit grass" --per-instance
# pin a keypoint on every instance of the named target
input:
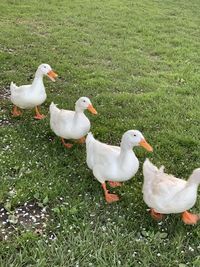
(138, 62)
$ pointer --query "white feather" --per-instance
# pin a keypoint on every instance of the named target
(70, 124)
(32, 95)
(113, 163)
(166, 193)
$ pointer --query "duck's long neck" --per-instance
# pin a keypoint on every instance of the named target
(191, 188)
(192, 185)
(38, 79)
(78, 110)
(126, 150)
(78, 113)
(193, 181)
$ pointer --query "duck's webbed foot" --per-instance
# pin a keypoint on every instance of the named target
(81, 140)
(114, 184)
(189, 218)
(156, 216)
(67, 145)
(16, 112)
(38, 115)
(109, 197)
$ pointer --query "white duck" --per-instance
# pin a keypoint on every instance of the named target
(33, 95)
(69, 124)
(112, 163)
(166, 194)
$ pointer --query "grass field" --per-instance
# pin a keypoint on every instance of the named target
(138, 61)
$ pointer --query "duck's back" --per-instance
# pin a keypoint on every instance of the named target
(100, 153)
(167, 185)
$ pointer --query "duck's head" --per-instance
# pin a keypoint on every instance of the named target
(45, 69)
(84, 103)
(195, 177)
(133, 138)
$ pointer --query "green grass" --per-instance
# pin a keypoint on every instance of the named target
(138, 61)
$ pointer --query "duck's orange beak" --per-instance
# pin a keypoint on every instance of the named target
(52, 75)
(147, 146)
(92, 109)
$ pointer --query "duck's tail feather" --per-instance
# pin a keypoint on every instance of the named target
(13, 87)
(149, 170)
(161, 169)
(89, 138)
(53, 108)
(54, 113)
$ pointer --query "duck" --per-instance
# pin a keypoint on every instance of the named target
(115, 164)
(32, 95)
(165, 194)
(69, 124)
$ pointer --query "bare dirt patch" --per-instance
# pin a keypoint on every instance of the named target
(27, 217)
(4, 92)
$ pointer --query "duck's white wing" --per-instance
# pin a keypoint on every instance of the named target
(99, 153)
(66, 116)
(158, 183)
(18, 90)
(60, 119)
(167, 185)
(21, 96)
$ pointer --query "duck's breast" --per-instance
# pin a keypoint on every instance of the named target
(37, 95)
(127, 167)
(80, 126)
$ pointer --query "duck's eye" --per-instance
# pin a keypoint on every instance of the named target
(45, 67)
(134, 135)
(84, 101)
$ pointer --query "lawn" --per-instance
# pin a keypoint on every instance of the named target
(138, 61)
